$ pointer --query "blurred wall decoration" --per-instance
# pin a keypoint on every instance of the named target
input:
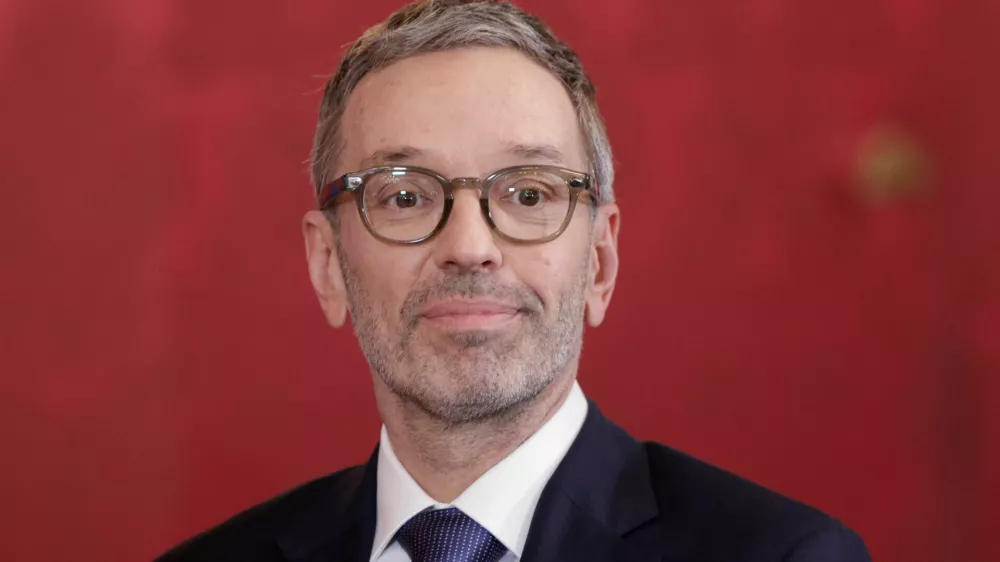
(810, 292)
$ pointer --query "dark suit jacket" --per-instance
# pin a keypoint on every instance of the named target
(611, 498)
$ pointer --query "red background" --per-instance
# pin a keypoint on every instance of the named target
(165, 363)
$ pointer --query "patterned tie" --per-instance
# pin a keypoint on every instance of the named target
(448, 535)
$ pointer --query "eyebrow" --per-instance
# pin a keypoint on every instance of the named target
(394, 155)
(546, 152)
(406, 153)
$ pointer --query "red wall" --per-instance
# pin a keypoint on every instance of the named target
(164, 363)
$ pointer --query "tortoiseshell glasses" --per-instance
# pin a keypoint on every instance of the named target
(410, 205)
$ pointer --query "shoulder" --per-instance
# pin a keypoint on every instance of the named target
(731, 518)
(252, 535)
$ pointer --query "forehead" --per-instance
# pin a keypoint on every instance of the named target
(462, 109)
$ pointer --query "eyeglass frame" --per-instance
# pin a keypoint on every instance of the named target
(355, 182)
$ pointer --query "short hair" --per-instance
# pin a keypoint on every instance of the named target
(437, 25)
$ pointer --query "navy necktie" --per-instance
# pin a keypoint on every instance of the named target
(448, 535)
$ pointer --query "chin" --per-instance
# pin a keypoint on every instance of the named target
(466, 405)
(475, 338)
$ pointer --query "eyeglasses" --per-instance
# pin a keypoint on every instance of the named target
(410, 205)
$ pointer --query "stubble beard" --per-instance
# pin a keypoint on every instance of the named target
(472, 376)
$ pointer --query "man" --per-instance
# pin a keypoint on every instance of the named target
(466, 222)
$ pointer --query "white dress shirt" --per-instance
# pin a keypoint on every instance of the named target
(502, 500)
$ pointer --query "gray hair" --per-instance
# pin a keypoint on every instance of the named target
(438, 25)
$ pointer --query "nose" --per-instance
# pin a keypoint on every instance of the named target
(466, 242)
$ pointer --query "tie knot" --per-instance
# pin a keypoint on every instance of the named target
(448, 535)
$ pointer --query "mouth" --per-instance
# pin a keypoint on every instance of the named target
(464, 315)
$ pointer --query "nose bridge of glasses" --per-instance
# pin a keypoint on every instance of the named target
(467, 216)
(470, 183)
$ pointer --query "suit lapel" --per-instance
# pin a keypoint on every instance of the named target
(597, 497)
(560, 530)
(341, 526)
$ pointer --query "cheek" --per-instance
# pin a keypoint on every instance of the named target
(391, 277)
(550, 273)
(386, 273)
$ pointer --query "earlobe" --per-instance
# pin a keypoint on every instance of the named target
(324, 267)
(604, 263)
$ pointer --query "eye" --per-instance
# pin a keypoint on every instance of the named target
(528, 192)
(399, 193)
(405, 199)
(528, 197)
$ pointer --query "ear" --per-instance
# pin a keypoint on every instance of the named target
(603, 262)
(324, 267)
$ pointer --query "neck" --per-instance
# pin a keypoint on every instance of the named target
(446, 459)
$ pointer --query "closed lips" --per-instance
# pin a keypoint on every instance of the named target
(458, 308)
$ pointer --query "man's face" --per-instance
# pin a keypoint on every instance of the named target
(466, 325)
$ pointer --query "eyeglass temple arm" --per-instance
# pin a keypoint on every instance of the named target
(331, 190)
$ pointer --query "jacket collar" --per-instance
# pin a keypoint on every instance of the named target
(600, 492)
(340, 524)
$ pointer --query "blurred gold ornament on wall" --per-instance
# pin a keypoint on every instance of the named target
(891, 165)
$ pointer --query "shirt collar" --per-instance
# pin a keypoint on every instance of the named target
(502, 500)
